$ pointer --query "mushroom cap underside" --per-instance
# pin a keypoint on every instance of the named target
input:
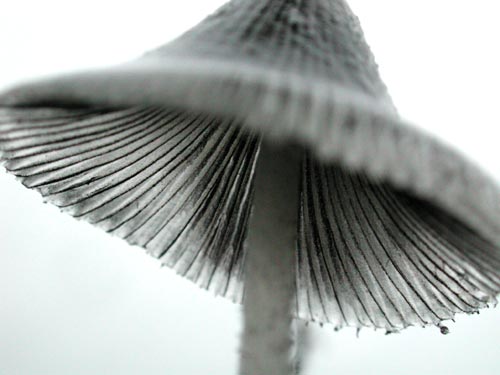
(180, 185)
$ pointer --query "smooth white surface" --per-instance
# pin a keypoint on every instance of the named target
(74, 300)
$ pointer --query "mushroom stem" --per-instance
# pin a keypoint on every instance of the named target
(270, 264)
(302, 347)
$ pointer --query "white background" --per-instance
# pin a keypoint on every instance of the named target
(76, 301)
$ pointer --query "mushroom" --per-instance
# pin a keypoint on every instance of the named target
(260, 155)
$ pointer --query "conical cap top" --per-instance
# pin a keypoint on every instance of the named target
(280, 66)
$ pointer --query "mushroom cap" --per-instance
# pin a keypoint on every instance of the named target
(396, 228)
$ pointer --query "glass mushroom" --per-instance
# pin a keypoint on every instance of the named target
(263, 143)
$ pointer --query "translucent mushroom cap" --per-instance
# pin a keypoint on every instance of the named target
(395, 228)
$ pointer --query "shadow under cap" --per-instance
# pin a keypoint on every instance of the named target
(395, 228)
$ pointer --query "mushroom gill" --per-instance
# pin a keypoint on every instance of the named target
(180, 185)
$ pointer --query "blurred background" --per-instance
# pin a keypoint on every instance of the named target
(74, 300)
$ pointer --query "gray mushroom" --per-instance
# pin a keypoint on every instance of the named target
(260, 155)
